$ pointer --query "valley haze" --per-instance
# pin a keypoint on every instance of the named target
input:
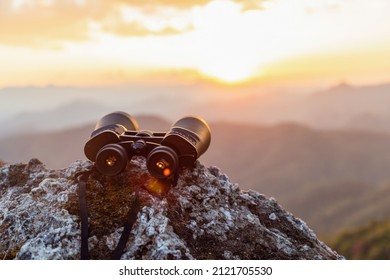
(342, 106)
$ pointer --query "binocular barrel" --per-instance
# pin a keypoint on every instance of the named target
(117, 138)
(190, 137)
(116, 121)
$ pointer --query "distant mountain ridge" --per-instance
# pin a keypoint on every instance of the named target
(62, 117)
(343, 106)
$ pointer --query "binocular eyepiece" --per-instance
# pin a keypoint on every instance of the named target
(117, 138)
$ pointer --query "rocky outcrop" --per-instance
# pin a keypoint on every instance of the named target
(204, 216)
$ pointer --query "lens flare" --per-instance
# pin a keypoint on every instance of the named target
(157, 187)
(164, 166)
(167, 172)
(111, 161)
(161, 164)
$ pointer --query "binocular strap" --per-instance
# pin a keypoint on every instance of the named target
(131, 217)
(130, 220)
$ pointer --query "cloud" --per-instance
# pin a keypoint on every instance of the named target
(49, 23)
(137, 29)
(187, 4)
(180, 4)
(41, 24)
(251, 4)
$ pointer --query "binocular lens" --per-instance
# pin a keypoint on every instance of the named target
(111, 159)
(162, 162)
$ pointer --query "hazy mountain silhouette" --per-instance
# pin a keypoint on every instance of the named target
(370, 122)
(53, 108)
(341, 107)
(62, 117)
(350, 106)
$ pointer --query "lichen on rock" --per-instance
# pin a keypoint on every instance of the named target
(204, 216)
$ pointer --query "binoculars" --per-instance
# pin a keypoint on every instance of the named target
(117, 138)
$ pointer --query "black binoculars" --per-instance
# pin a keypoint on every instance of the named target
(117, 138)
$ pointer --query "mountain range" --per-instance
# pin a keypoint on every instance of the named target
(340, 107)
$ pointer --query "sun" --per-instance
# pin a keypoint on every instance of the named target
(223, 47)
(227, 73)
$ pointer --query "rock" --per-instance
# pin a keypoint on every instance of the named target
(204, 216)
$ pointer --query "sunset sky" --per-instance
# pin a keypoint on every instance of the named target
(114, 42)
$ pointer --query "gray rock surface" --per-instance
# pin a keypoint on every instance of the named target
(204, 217)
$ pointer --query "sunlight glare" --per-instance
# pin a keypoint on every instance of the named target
(228, 71)
(223, 52)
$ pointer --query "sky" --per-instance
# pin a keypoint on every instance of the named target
(227, 42)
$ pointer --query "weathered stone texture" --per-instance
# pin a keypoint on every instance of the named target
(204, 217)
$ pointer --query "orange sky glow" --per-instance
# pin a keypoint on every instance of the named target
(111, 42)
